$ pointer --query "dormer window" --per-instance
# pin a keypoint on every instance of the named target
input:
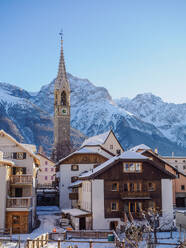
(132, 167)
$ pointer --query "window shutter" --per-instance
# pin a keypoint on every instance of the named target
(14, 155)
(24, 170)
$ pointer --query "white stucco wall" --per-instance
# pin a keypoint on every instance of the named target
(65, 180)
(86, 196)
(8, 147)
(167, 196)
(3, 194)
(111, 140)
(98, 209)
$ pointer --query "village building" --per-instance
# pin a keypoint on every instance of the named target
(179, 183)
(93, 152)
(19, 166)
(46, 173)
(120, 188)
(107, 141)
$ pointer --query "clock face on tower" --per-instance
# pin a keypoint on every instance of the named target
(64, 111)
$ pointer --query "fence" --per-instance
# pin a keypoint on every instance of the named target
(66, 237)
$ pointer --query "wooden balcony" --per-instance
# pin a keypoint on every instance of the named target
(73, 196)
(19, 202)
(135, 195)
(21, 179)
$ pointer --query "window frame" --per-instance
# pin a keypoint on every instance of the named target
(117, 206)
(128, 165)
(74, 165)
(117, 187)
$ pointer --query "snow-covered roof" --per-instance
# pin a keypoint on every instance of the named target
(140, 147)
(96, 140)
(76, 183)
(128, 155)
(30, 147)
(82, 150)
(23, 146)
(74, 212)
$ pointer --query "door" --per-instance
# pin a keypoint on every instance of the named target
(180, 202)
(18, 192)
(82, 224)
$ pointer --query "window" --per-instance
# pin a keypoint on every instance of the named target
(52, 177)
(135, 207)
(115, 187)
(46, 169)
(46, 177)
(126, 167)
(138, 187)
(138, 167)
(52, 169)
(131, 187)
(182, 187)
(151, 186)
(111, 146)
(73, 179)
(114, 206)
(184, 167)
(19, 155)
(46, 162)
(125, 187)
(132, 167)
(16, 219)
(176, 161)
(74, 167)
(183, 161)
(118, 152)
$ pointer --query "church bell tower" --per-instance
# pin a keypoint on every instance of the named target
(62, 144)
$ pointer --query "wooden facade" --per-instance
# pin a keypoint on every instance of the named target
(19, 221)
(130, 192)
(89, 158)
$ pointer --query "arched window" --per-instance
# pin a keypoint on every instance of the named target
(63, 98)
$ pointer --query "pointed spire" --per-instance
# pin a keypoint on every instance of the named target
(62, 70)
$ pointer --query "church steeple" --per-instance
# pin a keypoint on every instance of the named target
(61, 79)
(62, 144)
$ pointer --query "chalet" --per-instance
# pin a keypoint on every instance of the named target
(94, 151)
(179, 183)
(122, 186)
(20, 165)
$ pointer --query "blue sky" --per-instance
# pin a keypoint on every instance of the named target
(127, 46)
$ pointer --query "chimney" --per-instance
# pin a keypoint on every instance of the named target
(156, 150)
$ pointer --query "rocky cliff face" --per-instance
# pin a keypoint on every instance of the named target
(168, 118)
(28, 117)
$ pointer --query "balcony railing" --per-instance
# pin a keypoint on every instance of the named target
(19, 202)
(73, 196)
(21, 179)
(135, 195)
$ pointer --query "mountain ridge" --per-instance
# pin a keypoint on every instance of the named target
(93, 111)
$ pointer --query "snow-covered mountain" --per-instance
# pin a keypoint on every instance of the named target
(168, 118)
(26, 121)
(93, 112)
(28, 116)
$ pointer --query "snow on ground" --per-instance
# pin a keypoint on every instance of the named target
(83, 244)
(48, 215)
